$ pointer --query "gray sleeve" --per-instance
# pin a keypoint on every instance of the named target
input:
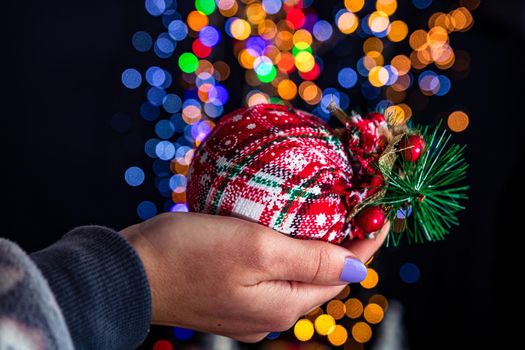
(30, 317)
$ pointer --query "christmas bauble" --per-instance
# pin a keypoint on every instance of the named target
(412, 146)
(286, 169)
(371, 219)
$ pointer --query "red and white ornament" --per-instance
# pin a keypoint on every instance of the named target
(286, 169)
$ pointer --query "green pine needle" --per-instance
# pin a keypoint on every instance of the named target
(429, 187)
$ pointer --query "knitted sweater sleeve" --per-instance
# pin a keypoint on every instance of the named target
(87, 291)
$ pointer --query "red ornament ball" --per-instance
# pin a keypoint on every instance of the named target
(371, 219)
(286, 169)
(413, 146)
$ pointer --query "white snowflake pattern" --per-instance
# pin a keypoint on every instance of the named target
(316, 190)
(320, 219)
(204, 157)
(276, 197)
(237, 117)
(295, 161)
(250, 126)
(205, 180)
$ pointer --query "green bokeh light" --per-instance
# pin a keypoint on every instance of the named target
(188, 62)
(268, 77)
(205, 6)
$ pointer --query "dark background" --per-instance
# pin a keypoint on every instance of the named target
(62, 164)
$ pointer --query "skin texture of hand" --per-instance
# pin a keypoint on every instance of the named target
(231, 277)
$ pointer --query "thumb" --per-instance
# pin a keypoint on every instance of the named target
(318, 262)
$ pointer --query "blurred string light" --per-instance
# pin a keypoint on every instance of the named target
(279, 44)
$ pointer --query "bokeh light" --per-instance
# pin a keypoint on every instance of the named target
(409, 273)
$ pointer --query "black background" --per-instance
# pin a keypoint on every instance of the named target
(62, 164)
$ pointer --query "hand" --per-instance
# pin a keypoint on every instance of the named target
(243, 280)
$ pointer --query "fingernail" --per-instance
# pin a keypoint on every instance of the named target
(353, 271)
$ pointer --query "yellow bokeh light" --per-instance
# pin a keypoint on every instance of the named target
(371, 279)
(401, 63)
(246, 59)
(347, 23)
(303, 329)
(257, 99)
(462, 19)
(354, 5)
(437, 36)
(361, 332)
(408, 114)
(267, 29)
(372, 59)
(373, 44)
(229, 7)
(240, 29)
(378, 76)
(339, 336)
(197, 20)
(310, 92)
(301, 37)
(284, 40)
(378, 21)
(336, 308)
(458, 121)
(191, 114)
(255, 13)
(324, 324)
(287, 89)
(418, 40)
(304, 61)
(398, 31)
(395, 115)
(373, 313)
(354, 308)
(387, 6)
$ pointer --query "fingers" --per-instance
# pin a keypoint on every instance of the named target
(317, 262)
(313, 262)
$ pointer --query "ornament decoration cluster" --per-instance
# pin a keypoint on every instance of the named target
(421, 191)
(288, 170)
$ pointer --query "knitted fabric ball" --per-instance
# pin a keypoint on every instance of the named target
(286, 169)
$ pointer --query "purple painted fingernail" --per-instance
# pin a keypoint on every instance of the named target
(353, 271)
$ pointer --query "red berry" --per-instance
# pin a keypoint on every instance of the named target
(371, 219)
(412, 147)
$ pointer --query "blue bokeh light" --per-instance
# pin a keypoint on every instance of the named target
(421, 4)
(178, 30)
(322, 30)
(209, 36)
(409, 273)
(134, 176)
(149, 111)
(347, 77)
(142, 41)
(165, 150)
(155, 76)
(146, 210)
(131, 78)
(164, 129)
(182, 333)
(172, 103)
(271, 6)
(155, 7)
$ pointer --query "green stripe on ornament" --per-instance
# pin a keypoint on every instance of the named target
(237, 168)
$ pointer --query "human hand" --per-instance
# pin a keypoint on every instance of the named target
(243, 280)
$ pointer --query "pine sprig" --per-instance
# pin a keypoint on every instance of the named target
(427, 189)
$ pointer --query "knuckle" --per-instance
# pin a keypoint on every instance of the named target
(322, 262)
(258, 252)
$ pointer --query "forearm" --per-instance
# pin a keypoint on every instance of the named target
(101, 287)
